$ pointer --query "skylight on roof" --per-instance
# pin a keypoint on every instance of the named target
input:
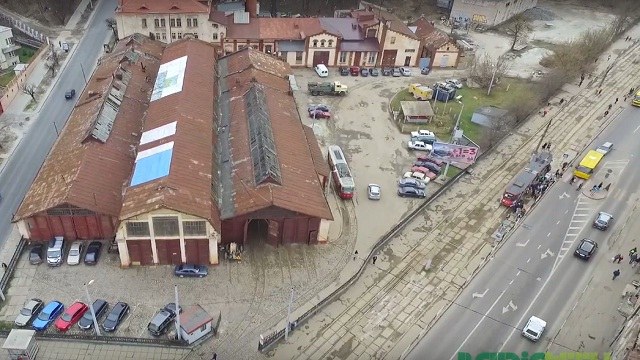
(266, 166)
(152, 164)
(158, 133)
(170, 78)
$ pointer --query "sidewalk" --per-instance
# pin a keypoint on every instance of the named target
(395, 301)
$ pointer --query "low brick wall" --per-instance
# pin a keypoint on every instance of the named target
(13, 89)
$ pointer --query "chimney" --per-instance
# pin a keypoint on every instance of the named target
(251, 6)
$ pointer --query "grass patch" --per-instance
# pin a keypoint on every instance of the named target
(453, 171)
(31, 105)
(6, 78)
(25, 54)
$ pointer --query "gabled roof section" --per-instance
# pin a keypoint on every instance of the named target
(278, 29)
(345, 28)
(250, 79)
(161, 7)
(173, 166)
(431, 36)
(91, 174)
(368, 18)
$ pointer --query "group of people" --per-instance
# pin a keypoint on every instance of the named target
(634, 259)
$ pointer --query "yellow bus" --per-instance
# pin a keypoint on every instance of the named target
(636, 99)
(588, 164)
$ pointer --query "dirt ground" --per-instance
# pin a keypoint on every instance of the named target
(46, 12)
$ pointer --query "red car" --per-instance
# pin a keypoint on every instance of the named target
(354, 70)
(430, 159)
(425, 171)
(72, 315)
(319, 114)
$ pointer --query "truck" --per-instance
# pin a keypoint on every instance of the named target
(327, 88)
(420, 92)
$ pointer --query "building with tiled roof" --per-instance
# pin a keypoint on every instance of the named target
(270, 175)
(78, 191)
(435, 45)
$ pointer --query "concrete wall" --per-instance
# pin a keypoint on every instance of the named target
(13, 89)
(448, 55)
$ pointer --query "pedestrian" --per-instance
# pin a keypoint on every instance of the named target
(625, 98)
(594, 188)
(561, 101)
(374, 259)
(633, 258)
(544, 113)
(600, 186)
(549, 103)
(215, 356)
(548, 146)
(544, 146)
(580, 84)
(606, 113)
(609, 57)
(573, 179)
(355, 254)
(633, 251)
(557, 173)
(606, 188)
(579, 186)
(616, 273)
(617, 258)
(4, 266)
(616, 101)
(610, 106)
(60, 43)
(581, 77)
(620, 259)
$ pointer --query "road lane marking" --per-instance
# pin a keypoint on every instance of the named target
(547, 253)
(529, 259)
(558, 222)
(549, 234)
(510, 307)
(455, 353)
(523, 244)
(564, 195)
(479, 295)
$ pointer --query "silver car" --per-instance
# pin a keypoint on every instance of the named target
(605, 148)
(75, 253)
(29, 311)
(373, 192)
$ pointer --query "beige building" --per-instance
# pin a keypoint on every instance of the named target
(9, 50)
(487, 12)
(437, 48)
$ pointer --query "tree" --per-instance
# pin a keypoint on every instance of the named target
(518, 28)
(482, 69)
(30, 90)
(113, 25)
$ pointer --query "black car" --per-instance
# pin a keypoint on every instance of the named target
(321, 107)
(118, 312)
(344, 71)
(161, 320)
(410, 182)
(364, 71)
(191, 270)
(374, 72)
(70, 94)
(586, 249)
(424, 71)
(93, 253)
(386, 71)
(406, 191)
(602, 221)
(35, 254)
(99, 307)
(429, 165)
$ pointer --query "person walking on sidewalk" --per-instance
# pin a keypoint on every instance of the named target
(617, 258)
(616, 273)
(633, 258)
(374, 259)
(633, 251)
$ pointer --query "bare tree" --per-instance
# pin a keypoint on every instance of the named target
(518, 28)
(498, 128)
(522, 105)
(483, 69)
(113, 25)
(30, 90)
(4, 129)
(54, 57)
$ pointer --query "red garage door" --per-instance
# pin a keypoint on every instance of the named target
(169, 252)
(140, 252)
(389, 57)
(197, 251)
(320, 57)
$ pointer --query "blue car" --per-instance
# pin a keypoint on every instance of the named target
(50, 312)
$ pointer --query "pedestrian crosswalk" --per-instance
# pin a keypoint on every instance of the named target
(582, 214)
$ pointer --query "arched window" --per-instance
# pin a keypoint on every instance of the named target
(330, 43)
(315, 43)
(321, 43)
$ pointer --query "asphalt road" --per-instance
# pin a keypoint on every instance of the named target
(535, 272)
(23, 165)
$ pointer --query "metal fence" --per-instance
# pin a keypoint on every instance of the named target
(11, 267)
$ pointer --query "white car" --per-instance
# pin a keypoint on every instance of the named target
(455, 82)
(373, 192)
(321, 70)
(405, 71)
(534, 328)
(419, 145)
(605, 148)
(75, 253)
(423, 132)
(422, 177)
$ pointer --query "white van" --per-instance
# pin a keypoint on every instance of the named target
(322, 70)
(534, 328)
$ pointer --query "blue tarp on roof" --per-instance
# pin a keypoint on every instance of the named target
(152, 167)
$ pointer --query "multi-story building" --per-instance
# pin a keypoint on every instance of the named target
(9, 50)
(488, 12)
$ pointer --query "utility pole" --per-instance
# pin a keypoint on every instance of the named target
(544, 133)
(175, 287)
(286, 330)
(93, 311)
(493, 77)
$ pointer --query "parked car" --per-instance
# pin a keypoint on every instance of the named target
(99, 307)
(411, 182)
(71, 316)
(191, 270)
(605, 148)
(373, 192)
(425, 171)
(431, 159)
(387, 71)
(441, 152)
(602, 221)
(425, 136)
(586, 249)
(419, 145)
(49, 313)
(455, 83)
(396, 72)
(55, 251)
(364, 72)
(115, 317)
(417, 176)
(161, 321)
(425, 71)
(321, 107)
(429, 165)
(29, 310)
(321, 70)
(405, 71)
(69, 94)
(172, 307)
(354, 70)
(374, 72)
(93, 253)
(319, 114)
(344, 71)
(35, 254)
(75, 253)
(411, 192)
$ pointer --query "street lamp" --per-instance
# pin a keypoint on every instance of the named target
(83, 75)
(93, 312)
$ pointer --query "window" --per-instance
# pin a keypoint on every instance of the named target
(156, 22)
(372, 57)
(215, 36)
(144, 23)
(298, 57)
(410, 50)
(330, 43)
(198, 228)
(393, 40)
(164, 36)
(166, 226)
(283, 55)
(137, 228)
(179, 22)
(194, 22)
(195, 35)
(172, 22)
(321, 43)
(180, 35)
(188, 22)
(158, 36)
(343, 57)
(315, 43)
(162, 23)
(268, 49)
(215, 26)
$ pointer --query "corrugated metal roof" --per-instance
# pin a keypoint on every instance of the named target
(86, 172)
(368, 44)
(276, 28)
(299, 190)
(161, 7)
(187, 186)
(290, 45)
(346, 28)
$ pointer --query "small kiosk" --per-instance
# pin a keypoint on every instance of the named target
(21, 344)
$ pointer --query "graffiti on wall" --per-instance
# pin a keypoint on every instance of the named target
(479, 19)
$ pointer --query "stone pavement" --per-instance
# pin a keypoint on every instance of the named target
(396, 300)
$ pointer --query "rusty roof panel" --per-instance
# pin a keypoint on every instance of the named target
(161, 7)
(321, 165)
(187, 187)
(90, 174)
